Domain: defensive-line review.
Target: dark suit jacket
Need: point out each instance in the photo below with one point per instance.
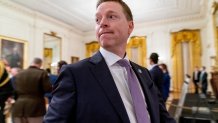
(198, 77)
(158, 77)
(30, 85)
(204, 79)
(87, 94)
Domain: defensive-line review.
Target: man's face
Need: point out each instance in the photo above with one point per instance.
(112, 27)
(14, 71)
(150, 61)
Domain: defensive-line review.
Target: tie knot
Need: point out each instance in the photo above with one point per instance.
(123, 63)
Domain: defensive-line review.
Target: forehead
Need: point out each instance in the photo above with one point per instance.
(110, 7)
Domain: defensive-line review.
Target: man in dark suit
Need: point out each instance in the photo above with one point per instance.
(196, 78)
(31, 85)
(203, 80)
(156, 73)
(96, 89)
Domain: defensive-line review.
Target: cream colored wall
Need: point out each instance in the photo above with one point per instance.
(22, 23)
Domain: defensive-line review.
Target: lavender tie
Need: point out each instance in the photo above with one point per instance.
(139, 104)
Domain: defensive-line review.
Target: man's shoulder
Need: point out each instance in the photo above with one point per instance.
(78, 65)
(138, 66)
(155, 68)
(33, 70)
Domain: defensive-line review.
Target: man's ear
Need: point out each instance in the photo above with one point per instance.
(131, 27)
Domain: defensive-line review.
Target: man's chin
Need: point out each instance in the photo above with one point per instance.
(105, 41)
(106, 45)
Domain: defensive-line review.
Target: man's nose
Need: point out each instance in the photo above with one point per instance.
(104, 22)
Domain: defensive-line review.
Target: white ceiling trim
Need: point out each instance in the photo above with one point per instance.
(77, 14)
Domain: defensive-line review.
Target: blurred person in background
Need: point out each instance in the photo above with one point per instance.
(6, 89)
(52, 79)
(156, 72)
(196, 78)
(203, 80)
(166, 82)
(14, 71)
(30, 85)
(60, 65)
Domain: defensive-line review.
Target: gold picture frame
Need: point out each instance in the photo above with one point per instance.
(14, 51)
(92, 48)
(48, 54)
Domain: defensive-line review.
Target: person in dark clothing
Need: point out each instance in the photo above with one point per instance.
(166, 82)
(196, 78)
(6, 90)
(30, 85)
(60, 64)
(203, 80)
(52, 79)
(156, 73)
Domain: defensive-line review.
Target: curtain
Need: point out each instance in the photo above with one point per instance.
(136, 50)
(192, 37)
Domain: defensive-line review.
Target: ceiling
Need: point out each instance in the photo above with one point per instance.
(80, 13)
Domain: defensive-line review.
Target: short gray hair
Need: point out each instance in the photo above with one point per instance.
(37, 61)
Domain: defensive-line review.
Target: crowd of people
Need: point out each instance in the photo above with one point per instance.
(29, 87)
(23, 91)
(199, 78)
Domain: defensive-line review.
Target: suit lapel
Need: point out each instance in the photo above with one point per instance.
(105, 80)
(146, 83)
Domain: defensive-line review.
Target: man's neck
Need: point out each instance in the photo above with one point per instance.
(120, 53)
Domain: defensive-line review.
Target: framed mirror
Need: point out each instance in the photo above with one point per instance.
(52, 51)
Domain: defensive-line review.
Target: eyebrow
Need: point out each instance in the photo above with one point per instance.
(111, 11)
(108, 12)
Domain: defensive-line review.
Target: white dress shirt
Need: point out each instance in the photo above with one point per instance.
(196, 75)
(119, 75)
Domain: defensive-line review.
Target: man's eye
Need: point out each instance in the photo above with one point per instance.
(112, 17)
(96, 20)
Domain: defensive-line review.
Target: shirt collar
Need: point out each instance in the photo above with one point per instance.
(110, 57)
